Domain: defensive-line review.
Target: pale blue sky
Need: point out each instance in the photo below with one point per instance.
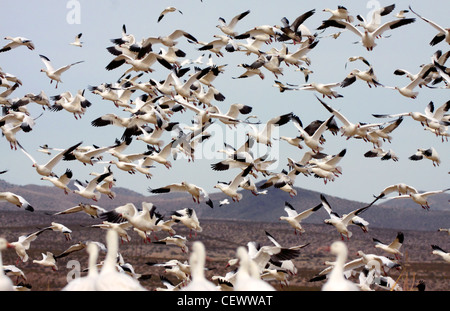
(46, 24)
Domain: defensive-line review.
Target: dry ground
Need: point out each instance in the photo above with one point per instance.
(221, 239)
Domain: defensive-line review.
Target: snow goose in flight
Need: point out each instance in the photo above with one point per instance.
(294, 218)
(197, 260)
(341, 13)
(324, 89)
(430, 154)
(336, 280)
(249, 72)
(176, 240)
(47, 169)
(40, 99)
(340, 223)
(188, 217)
(348, 128)
(367, 37)
(57, 227)
(248, 274)
(408, 90)
(109, 279)
(264, 136)
(312, 141)
(5, 283)
(60, 181)
(375, 21)
(283, 181)
(443, 33)
(421, 198)
(383, 154)
(364, 75)
(169, 40)
(167, 10)
(15, 199)
(296, 30)
(48, 260)
(10, 132)
(16, 42)
(77, 41)
(121, 229)
(296, 58)
(329, 163)
(92, 210)
(54, 74)
(89, 191)
(184, 186)
(392, 248)
(231, 189)
(23, 244)
(161, 156)
(228, 29)
(271, 62)
(86, 283)
(440, 252)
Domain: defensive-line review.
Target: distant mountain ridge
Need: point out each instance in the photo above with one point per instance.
(394, 214)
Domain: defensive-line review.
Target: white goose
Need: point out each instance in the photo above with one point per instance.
(109, 279)
(16, 199)
(340, 223)
(367, 37)
(312, 141)
(92, 210)
(188, 217)
(54, 74)
(326, 89)
(48, 260)
(197, 259)
(77, 41)
(421, 198)
(16, 42)
(429, 153)
(23, 244)
(167, 10)
(336, 280)
(443, 33)
(5, 283)
(144, 220)
(228, 29)
(89, 191)
(232, 188)
(47, 168)
(348, 128)
(57, 227)
(61, 181)
(184, 186)
(86, 283)
(248, 275)
(392, 248)
(440, 252)
(294, 218)
(264, 136)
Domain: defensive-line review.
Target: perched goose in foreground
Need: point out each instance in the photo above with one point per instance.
(336, 280)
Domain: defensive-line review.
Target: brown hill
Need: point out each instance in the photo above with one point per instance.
(394, 214)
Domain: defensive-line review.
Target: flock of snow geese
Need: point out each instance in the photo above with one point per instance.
(153, 113)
